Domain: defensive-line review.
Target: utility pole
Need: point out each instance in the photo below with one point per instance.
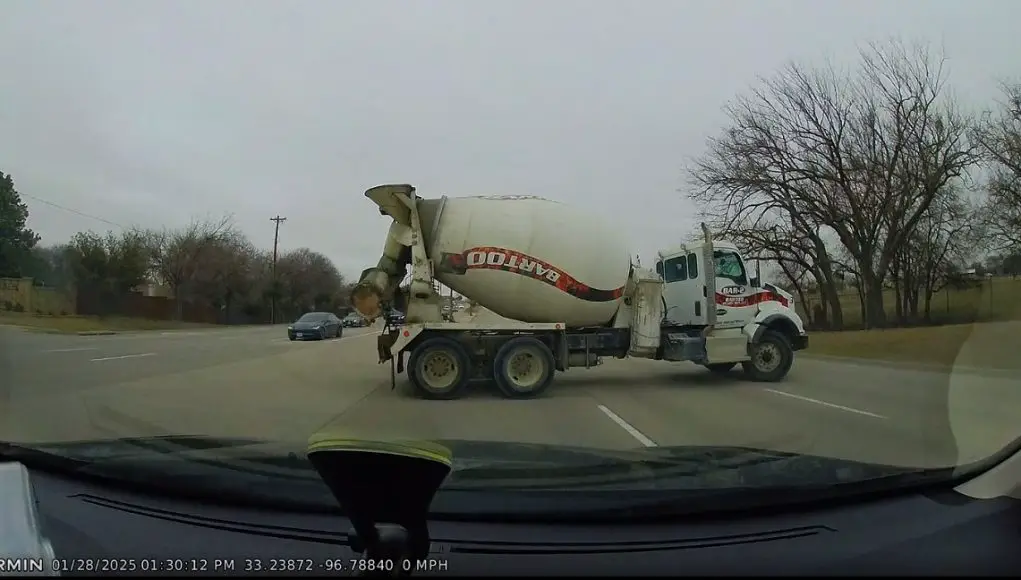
(276, 240)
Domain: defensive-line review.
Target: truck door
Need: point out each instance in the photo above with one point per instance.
(736, 302)
(683, 289)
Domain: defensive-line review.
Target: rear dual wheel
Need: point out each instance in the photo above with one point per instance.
(440, 368)
(523, 368)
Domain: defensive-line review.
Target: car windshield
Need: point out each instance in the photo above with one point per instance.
(650, 250)
(313, 317)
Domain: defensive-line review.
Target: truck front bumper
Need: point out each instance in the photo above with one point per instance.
(800, 342)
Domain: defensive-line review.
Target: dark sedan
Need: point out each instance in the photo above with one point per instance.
(315, 326)
(395, 318)
(354, 321)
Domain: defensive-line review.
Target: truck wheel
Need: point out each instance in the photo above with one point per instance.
(439, 368)
(523, 368)
(721, 368)
(771, 358)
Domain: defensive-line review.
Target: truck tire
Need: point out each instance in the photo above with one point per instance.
(771, 358)
(523, 368)
(439, 368)
(721, 368)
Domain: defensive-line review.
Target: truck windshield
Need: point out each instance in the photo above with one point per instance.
(730, 266)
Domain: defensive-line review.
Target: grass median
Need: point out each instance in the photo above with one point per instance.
(76, 324)
(986, 345)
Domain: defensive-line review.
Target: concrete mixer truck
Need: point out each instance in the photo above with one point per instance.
(569, 294)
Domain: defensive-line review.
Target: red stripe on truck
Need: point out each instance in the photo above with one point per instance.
(493, 258)
(739, 301)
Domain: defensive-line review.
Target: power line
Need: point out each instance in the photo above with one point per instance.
(71, 210)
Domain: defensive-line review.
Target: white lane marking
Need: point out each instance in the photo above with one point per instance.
(826, 404)
(627, 427)
(123, 356)
(71, 349)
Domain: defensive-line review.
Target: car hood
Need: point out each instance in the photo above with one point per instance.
(500, 480)
(492, 464)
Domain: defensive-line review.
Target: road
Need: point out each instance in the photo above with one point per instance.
(254, 382)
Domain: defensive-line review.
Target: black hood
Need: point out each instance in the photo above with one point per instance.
(489, 479)
(507, 465)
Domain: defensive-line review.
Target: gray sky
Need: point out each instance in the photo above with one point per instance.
(152, 112)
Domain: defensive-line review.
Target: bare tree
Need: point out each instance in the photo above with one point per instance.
(227, 272)
(180, 256)
(308, 281)
(861, 155)
(940, 242)
(109, 263)
(999, 135)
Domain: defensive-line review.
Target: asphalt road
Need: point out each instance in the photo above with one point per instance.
(254, 382)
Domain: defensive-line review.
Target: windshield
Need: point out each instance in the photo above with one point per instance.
(313, 317)
(728, 265)
(204, 236)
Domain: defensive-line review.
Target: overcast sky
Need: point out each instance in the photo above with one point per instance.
(153, 112)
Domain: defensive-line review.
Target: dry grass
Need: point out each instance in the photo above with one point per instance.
(996, 299)
(990, 345)
(73, 324)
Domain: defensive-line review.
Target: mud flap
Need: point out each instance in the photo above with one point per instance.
(384, 344)
(393, 375)
(384, 341)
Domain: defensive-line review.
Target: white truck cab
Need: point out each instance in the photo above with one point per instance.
(728, 301)
(739, 294)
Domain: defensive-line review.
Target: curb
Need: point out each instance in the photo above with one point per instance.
(902, 365)
(95, 332)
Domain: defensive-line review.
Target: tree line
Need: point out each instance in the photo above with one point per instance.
(871, 178)
(208, 262)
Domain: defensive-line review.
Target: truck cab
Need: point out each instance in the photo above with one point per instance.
(722, 294)
(739, 294)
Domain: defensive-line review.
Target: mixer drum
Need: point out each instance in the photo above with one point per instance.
(527, 258)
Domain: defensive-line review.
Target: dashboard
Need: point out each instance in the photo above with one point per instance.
(92, 530)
